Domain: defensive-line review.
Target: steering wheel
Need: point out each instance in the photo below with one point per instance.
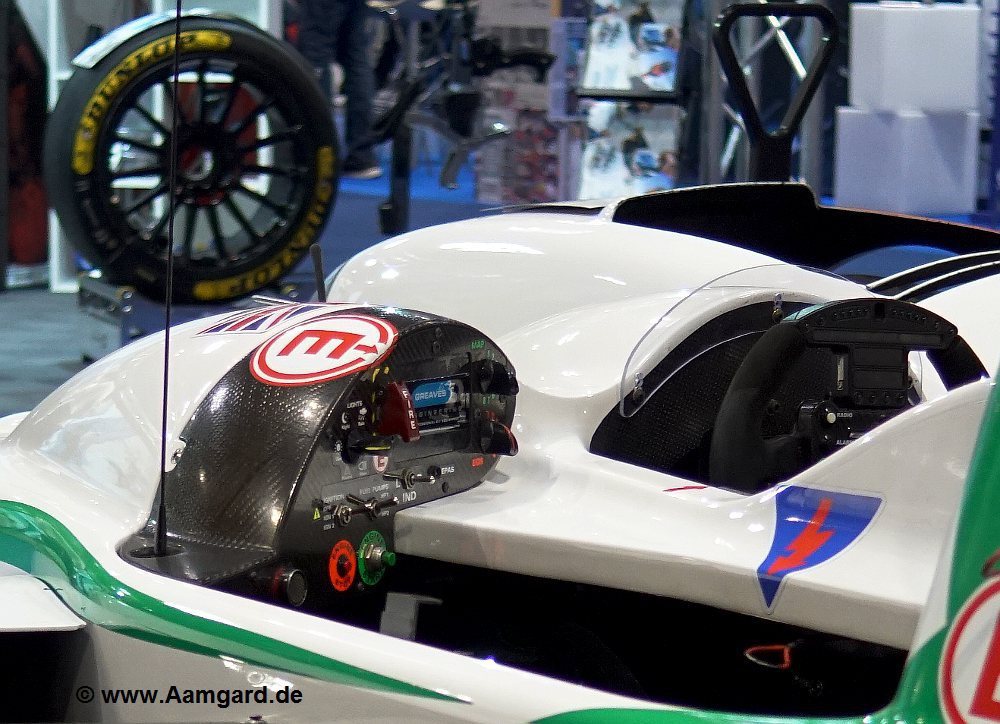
(869, 339)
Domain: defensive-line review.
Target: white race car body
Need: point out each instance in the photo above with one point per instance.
(569, 296)
(587, 310)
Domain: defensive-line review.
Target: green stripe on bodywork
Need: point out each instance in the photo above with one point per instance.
(39, 544)
(978, 536)
(684, 716)
(917, 697)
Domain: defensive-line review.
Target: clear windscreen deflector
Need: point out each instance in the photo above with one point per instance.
(670, 343)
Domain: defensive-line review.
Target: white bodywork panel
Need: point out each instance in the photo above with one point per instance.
(7, 424)
(480, 689)
(27, 604)
(560, 512)
(973, 307)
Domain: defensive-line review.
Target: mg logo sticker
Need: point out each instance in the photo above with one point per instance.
(970, 664)
(322, 350)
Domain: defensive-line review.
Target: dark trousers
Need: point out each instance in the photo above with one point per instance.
(336, 30)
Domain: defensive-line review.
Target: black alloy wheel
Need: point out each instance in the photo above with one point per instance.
(255, 170)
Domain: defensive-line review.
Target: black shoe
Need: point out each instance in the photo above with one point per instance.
(360, 169)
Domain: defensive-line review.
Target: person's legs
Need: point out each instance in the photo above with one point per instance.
(318, 31)
(353, 53)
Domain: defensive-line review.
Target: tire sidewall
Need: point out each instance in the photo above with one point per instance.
(91, 97)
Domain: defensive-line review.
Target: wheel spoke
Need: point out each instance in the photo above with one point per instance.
(146, 198)
(213, 222)
(271, 171)
(280, 210)
(271, 140)
(155, 232)
(174, 102)
(151, 119)
(135, 172)
(139, 144)
(189, 222)
(257, 110)
(235, 212)
(202, 70)
(231, 93)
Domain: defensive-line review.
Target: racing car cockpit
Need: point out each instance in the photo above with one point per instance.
(759, 392)
(866, 344)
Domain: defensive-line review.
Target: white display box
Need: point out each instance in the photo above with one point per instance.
(911, 56)
(910, 162)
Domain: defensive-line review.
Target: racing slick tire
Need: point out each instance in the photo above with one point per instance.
(256, 166)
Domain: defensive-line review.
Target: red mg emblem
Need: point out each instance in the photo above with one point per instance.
(322, 350)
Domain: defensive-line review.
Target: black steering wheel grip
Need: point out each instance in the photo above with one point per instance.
(740, 458)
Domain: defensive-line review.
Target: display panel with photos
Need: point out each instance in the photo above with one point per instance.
(633, 47)
(630, 149)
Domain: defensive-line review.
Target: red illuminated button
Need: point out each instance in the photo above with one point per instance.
(343, 565)
(398, 415)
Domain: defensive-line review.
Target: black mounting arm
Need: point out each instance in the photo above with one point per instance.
(771, 151)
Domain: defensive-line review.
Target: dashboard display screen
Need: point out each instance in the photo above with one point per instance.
(441, 404)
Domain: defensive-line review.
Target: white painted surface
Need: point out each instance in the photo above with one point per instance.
(973, 307)
(27, 604)
(567, 313)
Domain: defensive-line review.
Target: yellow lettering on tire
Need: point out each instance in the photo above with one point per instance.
(85, 140)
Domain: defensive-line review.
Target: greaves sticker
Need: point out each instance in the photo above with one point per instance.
(322, 350)
(970, 665)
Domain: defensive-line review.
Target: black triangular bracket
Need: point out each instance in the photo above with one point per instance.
(771, 151)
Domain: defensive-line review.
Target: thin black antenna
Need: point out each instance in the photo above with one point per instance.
(160, 545)
(317, 259)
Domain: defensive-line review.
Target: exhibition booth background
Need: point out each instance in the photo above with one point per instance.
(548, 150)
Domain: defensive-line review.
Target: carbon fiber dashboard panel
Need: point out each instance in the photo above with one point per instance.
(281, 467)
